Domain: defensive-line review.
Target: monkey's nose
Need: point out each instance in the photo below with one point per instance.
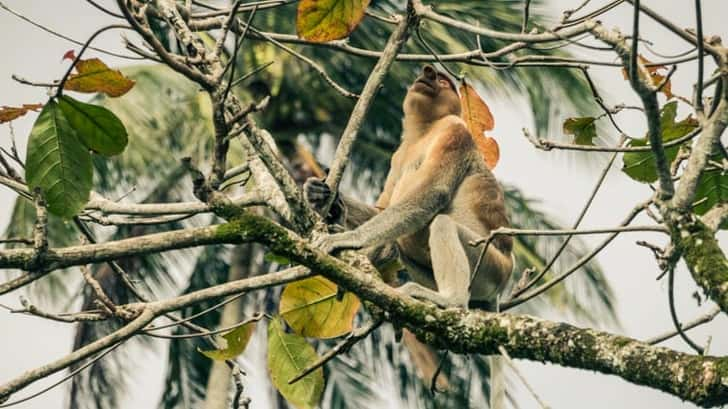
(429, 72)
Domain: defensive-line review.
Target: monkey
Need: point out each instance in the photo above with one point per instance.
(439, 196)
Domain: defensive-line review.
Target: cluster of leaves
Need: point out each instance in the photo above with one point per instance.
(311, 308)
(58, 159)
(641, 166)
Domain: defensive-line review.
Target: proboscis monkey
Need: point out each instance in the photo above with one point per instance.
(438, 197)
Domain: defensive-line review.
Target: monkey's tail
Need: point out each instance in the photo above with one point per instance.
(425, 360)
(497, 383)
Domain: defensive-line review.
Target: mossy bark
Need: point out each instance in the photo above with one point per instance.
(705, 259)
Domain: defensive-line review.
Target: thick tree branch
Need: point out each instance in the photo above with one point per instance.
(41, 263)
(702, 380)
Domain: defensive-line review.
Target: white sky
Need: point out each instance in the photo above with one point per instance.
(560, 180)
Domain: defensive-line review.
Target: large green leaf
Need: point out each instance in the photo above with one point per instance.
(288, 355)
(641, 166)
(58, 163)
(97, 127)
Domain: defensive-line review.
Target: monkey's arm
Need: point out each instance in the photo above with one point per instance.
(345, 211)
(426, 193)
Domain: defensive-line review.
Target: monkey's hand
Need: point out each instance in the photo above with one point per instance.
(317, 194)
(347, 240)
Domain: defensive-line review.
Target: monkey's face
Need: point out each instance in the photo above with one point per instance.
(432, 96)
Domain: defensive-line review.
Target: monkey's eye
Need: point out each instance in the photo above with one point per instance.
(444, 83)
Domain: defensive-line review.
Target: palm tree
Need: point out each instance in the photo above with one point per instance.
(167, 118)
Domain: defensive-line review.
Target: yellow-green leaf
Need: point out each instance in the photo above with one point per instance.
(584, 130)
(310, 307)
(237, 340)
(477, 117)
(327, 20)
(93, 75)
(288, 355)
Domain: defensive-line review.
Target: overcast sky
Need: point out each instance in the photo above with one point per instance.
(560, 180)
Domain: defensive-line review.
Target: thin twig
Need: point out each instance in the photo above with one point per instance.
(548, 145)
(526, 11)
(65, 378)
(104, 9)
(518, 373)
(342, 347)
(581, 262)
(701, 44)
(565, 243)
(673, 312)
(59, 35)
(709, 316)
(83, 49)
(206, 333)
(348, 136)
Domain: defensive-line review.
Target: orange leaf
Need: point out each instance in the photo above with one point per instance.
(69, 55)
(93, 75)
(478, 118)
(656, 77)
(7, 113)
(488, 147)
(327, 20)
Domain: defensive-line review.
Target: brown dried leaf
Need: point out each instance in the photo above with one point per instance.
(478, 118)
(7, 113)
(656, 77)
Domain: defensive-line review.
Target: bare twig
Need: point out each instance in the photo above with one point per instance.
(521, 289)
(518, 373)
(348, 136)
(690, 325)
(59, 35)
(673, 312)
(342, 347)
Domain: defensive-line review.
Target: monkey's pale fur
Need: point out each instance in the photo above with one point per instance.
(438, 197)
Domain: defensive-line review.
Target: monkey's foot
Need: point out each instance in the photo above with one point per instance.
(422, 293)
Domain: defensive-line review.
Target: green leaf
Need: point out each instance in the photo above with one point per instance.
(641, 166)
(97, 127)
(237, 340)
(288, 355)
(58, 163)
(712, 189)
(584, 130)
(310, 307)
(327, 20)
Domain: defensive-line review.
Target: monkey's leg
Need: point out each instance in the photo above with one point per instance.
(450, 266)
(453, 261)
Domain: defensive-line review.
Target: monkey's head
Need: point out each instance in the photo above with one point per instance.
(432, 96)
